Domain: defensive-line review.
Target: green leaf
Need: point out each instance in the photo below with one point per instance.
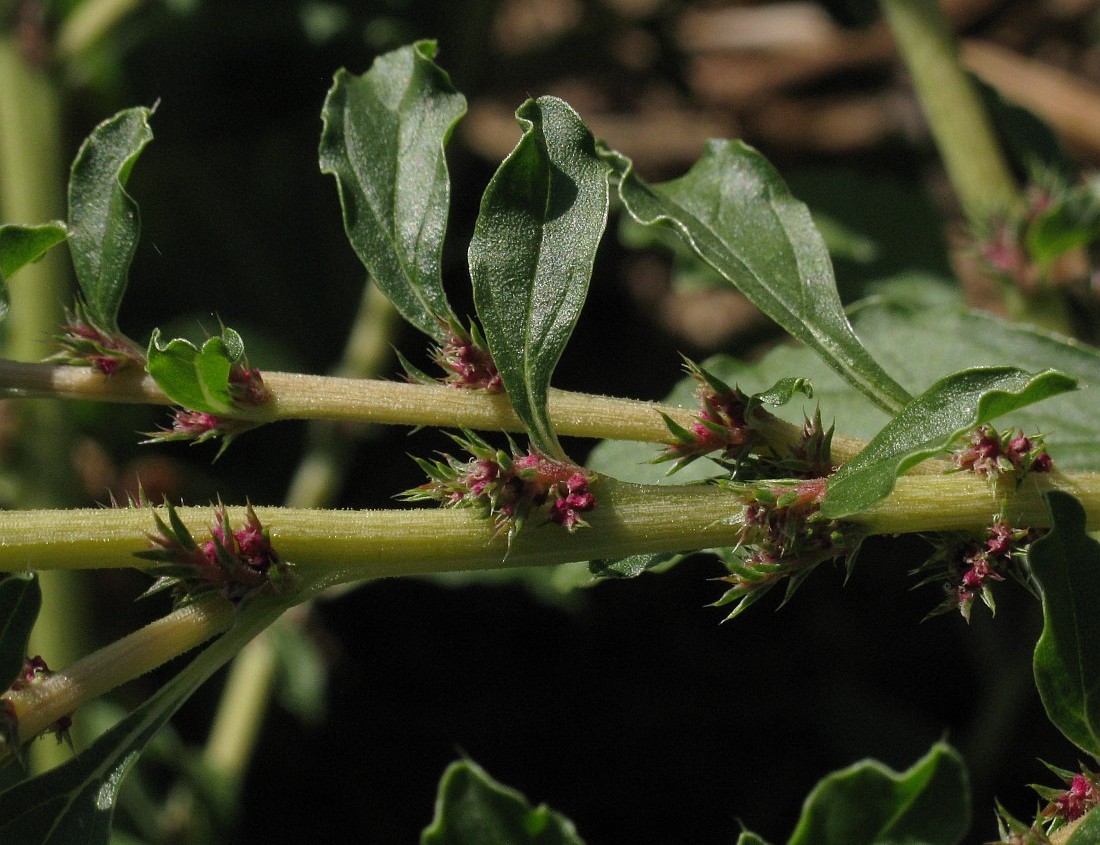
(383, 139)
(104, 223)
(928, 425)
(1087, 832)
(20, 601)
(473, 809)
(748, 838)
(734, 210)
(22, 245)
(1066, 564)
(532, 252)
(868, 804)
(196, 378)
(75, 802)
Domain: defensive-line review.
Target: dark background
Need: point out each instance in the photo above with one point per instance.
(631, 709)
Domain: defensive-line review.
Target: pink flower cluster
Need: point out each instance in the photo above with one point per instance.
(508, 487)
(990, 453)
(1075, 801)
(83, 343)
(465, 357)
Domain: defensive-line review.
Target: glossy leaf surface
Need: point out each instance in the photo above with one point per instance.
(929, 424)
(22, 245)
(20, 601)
(735, 211)
(868, 804)
(1066, 563)
(194, 377)
(473, 809)
(383, 139)
(541, 219)
(104, 223)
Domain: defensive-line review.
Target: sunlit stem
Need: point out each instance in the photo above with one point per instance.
(299, 396)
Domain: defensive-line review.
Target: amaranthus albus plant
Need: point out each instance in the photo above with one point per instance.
(777, 489)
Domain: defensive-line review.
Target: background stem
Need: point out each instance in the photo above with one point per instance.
(971, 153)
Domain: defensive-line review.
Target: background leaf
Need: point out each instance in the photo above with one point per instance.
(383, 139)
(926, 426)
(541, 219)
(22, 245)
(75, 802)
(1066, 563)
(734, 210)
(20, 601)
(196, 378)
(914, 312)
(473, 809)
(868, 804)
(104, 223)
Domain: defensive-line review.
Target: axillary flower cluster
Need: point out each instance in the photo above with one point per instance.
(508, 486)
(237, 563)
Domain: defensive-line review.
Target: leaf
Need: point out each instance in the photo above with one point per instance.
(749, 838)
(633, 565)
(734, 210)
(104, 223)
(383, 139)
(473, 809)
(927, 425)
(196, 378)
(1066, 564)
(22, 245)
(20, 601)
(541, 219)
(868, 804)
(1087, 832)
(74, 803)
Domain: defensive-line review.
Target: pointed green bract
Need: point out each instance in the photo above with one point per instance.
(20, 601)
(104, 223)
(196, 378)
(734, 210)
(748, 838)
(534, 244)
(868, 804)
(22, 245)
(383, 139)
(928, 425)
(473, 809)
(1066, 564)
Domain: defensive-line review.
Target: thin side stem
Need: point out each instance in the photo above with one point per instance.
(40, 705)
(974, 160)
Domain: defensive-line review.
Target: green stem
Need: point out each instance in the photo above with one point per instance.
(88, 24)
(38, 706)
(974, 160)
(300, 396)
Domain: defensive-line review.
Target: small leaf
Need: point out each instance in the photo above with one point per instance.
(196, 378)
(532, 252)
(75, 802)
(20, 601)
(1066, 563)
(22, 245)
(631, 566)
(927, 425)
(383, 139)
(734, 210)
(749, 838)
(104, 223)
(473, 809)
(868, 804)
